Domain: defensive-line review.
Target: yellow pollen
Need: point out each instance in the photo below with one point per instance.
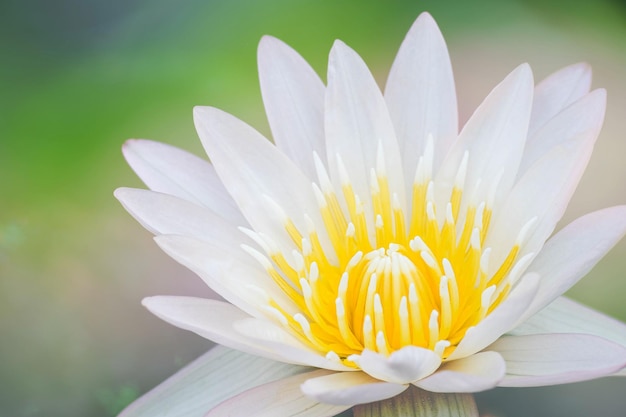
(419, 276)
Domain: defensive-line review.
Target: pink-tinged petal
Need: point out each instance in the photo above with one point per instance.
(281, 398)
(358, 125)
(217, 375)
(545, 188)
(401, 367)
(216, 321)
(167, 169)
(350, 388)
(573, 251)
(493, 139)
(420, 95)
(267, 186)
(475, 373)
(558, 91)
(501, 320)
(167, 214)
(293, 95)
(550, 359)
(417, 402)
(228, 271)
(567, 316)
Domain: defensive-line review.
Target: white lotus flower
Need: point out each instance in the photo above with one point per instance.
(377, 243)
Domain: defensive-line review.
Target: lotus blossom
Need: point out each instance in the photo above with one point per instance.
(374, 241)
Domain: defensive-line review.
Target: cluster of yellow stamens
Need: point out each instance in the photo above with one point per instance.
(412, 280)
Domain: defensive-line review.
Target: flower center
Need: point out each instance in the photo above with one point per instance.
(384, 280)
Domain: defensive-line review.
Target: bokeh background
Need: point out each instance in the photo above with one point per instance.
(78, 77)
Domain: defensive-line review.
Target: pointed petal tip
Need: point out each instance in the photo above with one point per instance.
(133, 145)
(601, 93)
(578, 70)
(268, 41)
(583, 67)
(205, 116)
(151, 302)
(268, 47)
(338, 44)
(425, 19)
(524, 70)
(131, 142)
(120, 193)
(425, 16)
(199, 111)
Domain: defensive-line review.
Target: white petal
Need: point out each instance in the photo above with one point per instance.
(567, 316)
(226, 270)
(475, 373)
(494, 139)
(253, 170)
(573, 251)
(420, 94)
(417, 402)
(558, 91)
(501, 320)
(583, 117)
(272, 336)
(401, 367)
(293, 95)
(350, 388)
(281, 398)
(550, 359)
(217, 375)
(167, 214)
(545, 188)
(216, 321)
(211, 319)
(357, 122)
(170, 170)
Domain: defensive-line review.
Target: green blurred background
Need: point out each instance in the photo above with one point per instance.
(78, 77)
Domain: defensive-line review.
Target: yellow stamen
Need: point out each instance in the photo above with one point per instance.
(396, 279)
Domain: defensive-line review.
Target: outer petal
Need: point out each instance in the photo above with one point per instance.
(294, 102)
(167, 214)
(573, 251)
(350, 388)
(417, 402)
(281, 398)
(501, 320)
(401, 367)
(226, 270)
(494, 139)
(550, 359)
(567, 316)
(545, 188)
(558, 91)
(268, 188)
(475, 373)
(170, 170)
(583, 117)
(217, 321)
(420, 94)
(358, 125)
(215, 376)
